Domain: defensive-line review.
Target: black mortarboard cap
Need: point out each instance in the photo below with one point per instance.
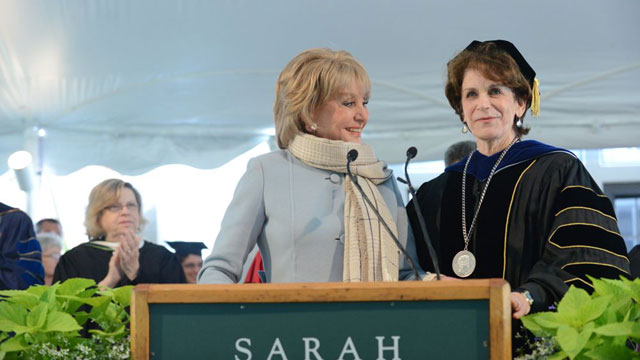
(185, 248)
(526, 69)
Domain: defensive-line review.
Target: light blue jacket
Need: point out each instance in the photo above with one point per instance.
(295, 214)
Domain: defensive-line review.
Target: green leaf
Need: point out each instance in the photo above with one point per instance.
(49, 297)
(16, 343)
(37, 290)
(90, 292)
(71, 306)
(13, 313)
(122, 295)
(13, 327)
(634, 288)
(572, 301)
(550, 321)
(60, 321)
(609, 316)
(625, 329)
(11, 293)
(568, 340)
(75, 286)
(37, 316)
(635, 331)
(621, 299)
(571, 341)
(118, 331)
(608, 352)
(81, 317)
(13, 317)
(21, 297)
(593, 309)
(530, 322)
(560, 355)
(616, 329)
(106, 292)
(634, 313)
(98, 311)
(93, 301)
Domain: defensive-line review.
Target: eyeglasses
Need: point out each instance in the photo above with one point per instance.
(116, 208)
(55, 256)
(192, 266)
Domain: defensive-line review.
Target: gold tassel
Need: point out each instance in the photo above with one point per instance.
(535, 98)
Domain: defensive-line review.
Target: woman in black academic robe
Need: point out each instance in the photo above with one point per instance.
(520, 210)
(116, 255)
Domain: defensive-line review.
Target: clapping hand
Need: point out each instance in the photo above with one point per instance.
(129, 253)
(114, 274)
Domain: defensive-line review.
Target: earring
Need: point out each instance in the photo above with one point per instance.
(465, 128)
(314, 127)
(519, 123)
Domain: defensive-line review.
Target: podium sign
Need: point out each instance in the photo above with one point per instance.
(405, 320)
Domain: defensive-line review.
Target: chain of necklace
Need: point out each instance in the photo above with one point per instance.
(467, 236)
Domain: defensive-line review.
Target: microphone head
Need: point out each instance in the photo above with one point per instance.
(352, 155)
(412, 152)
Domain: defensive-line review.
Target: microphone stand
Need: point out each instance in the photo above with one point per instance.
(351, 156)
(411, 153)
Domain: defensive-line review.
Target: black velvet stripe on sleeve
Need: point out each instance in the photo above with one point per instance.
(597, 270)
(583, 197)
(589, 236)
(580, 283)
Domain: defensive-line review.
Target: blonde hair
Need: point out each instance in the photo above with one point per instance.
(103, 195)
(308, 81)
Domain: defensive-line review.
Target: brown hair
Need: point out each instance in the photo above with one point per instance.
(104, 194)
(494, 64)
(308, 81)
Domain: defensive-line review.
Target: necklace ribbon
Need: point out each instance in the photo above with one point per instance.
(464, 263)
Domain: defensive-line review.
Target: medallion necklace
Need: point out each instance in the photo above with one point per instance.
(464, 263)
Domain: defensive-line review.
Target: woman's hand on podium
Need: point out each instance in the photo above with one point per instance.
(433, 277)
(519, 305)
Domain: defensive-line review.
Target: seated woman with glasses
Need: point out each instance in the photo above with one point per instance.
(116, 255)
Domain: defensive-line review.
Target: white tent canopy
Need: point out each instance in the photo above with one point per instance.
(133, 85)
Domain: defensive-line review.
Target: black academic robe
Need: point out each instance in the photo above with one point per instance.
(543, 225)
(89, 260)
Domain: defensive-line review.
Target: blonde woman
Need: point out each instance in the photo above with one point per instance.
(305, 215)
(115, 254)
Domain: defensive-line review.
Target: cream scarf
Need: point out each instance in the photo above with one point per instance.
(370, 253)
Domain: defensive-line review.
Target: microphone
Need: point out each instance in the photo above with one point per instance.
(352, 155)
(411, 153)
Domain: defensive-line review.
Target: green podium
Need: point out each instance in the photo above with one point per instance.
(467, 319)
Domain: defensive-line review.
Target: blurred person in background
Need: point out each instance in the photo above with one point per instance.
(458, 151)
(115, 254)
(51, 244)
(49, 225)
(189, 255)
(20, 253)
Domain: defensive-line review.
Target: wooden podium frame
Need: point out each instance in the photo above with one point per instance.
(496, 291)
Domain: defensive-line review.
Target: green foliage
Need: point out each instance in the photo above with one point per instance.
(44, 322)
(596, 326)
